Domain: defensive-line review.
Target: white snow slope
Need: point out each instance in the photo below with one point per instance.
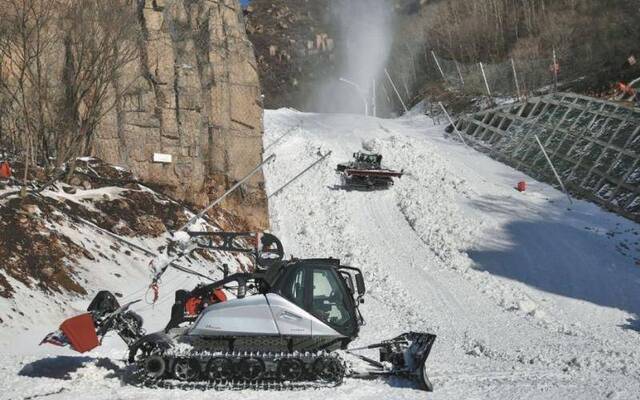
(530, 299)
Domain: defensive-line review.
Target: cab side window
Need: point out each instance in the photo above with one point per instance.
(328, 299)
(293, 290)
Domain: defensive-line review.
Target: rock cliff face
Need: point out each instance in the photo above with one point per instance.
(194, 94)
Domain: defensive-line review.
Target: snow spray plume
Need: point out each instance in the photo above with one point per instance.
(366, 36)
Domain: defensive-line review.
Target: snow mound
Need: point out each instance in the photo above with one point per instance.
(427, 196)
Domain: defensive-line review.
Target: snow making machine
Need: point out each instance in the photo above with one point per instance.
(365, 172)
(287, 324)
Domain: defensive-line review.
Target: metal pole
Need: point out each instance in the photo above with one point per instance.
(282, 137)
(555, 70)
(361, 93)
(459, 73)
(140, 248)
(396, 90)
(451, 122)
(374, 100)
(299, 175)
(555, 172)
(486, 83)
(227, 193)
(515, 77)
(433, 53)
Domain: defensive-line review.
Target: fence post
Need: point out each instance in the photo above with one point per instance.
(555, 70)
(515, 77)
(433, 53)
(459, 72)
(396, 90)
(375, 99)
(452, 123)
(553, 168)
(486, 83)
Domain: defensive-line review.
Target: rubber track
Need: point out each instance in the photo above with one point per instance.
(269, 382)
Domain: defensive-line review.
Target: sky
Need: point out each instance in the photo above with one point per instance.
(244, 2)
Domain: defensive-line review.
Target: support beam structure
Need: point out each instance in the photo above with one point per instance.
(593, 144)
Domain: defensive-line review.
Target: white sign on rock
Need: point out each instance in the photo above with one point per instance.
(162, 158)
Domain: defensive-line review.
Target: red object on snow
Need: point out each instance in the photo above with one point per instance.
(5, 170)
(81, 333)
(522, 186)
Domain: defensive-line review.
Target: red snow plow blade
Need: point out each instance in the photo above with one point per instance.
(104, 314)
(374, 172)
(78, 332)
(81, 333)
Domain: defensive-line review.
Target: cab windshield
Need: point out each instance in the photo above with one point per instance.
(322, 292)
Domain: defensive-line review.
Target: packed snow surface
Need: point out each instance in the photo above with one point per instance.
(531, 298)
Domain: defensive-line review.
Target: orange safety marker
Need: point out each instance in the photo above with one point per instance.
(5, 170)
(522, 186)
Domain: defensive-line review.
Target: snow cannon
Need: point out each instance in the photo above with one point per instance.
(287, 324)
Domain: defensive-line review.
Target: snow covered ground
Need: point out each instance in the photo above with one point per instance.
(530, 298)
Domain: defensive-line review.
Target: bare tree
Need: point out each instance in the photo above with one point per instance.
(62, 67)
(100, 39)
(26, 92)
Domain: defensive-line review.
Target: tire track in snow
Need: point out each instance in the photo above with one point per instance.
(411, 282)
(307, 219)
(409, 255)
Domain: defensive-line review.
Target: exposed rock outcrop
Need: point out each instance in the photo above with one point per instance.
(194, 94)
(295, 43)
(75, 241)
(301, 49)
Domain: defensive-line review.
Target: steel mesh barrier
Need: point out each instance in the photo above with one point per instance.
(594, 145)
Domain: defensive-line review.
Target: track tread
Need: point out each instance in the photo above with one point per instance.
(270, 381)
